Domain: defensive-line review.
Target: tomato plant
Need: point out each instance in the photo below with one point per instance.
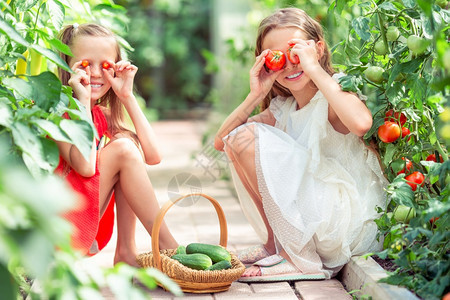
(293, 59)
(389, 132)
(275, 60)
(408, 86)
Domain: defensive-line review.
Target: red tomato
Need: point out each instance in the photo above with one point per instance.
(275, 60)
(434, 219)
(389, 132)
(432, 157)
(293, 59)
(415, 179)
(405, 132)
(408, 166)
(106, 65)
(394, 117)
(85, 63)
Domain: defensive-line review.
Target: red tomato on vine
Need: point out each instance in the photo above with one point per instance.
(415, 179)
(432, 157)
(275, 60)
(395, 117)
(408, 166)
(389, 132)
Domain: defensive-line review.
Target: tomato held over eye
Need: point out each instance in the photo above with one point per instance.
(106, 65)
(395, 117)
(408, 166)
(389, 132)
(85, 63)
(275, 60)
(415, 179)
(292, 58)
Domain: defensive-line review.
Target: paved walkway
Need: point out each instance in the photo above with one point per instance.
(188, 167)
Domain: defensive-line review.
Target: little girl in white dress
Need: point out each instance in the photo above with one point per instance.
(305, 179)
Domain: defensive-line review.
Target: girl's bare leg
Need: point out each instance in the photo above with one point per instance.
(126, 229)
(121, 164)
(240, 148)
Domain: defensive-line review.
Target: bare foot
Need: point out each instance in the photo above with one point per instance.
(252, 271)
(128, 257)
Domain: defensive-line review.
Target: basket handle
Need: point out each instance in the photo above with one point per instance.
(163, 211)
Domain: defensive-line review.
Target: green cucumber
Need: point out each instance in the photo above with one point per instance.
(221, 265)
(197, 261)
(181, 249)
(215, 252)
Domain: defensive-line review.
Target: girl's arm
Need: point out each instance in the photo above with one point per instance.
(260, 84)
(80, 84)
(122, 84)
(347, 112)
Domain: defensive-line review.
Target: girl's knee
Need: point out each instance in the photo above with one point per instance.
(242, 142)
(125, 150)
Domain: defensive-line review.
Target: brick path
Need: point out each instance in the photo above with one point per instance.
(182, 159)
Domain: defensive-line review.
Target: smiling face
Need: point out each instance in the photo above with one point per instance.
(292, 77)
(96, 50)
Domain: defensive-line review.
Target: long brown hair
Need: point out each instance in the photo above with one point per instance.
(116, 117)
(297, 18)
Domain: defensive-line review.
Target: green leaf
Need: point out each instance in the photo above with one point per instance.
(81, 133)
(20, 86)
(11, 32)
(6, 115)
(56, 12)
(46, 89)
(361, 26)
(8, 285)
(401, 193)
(42, 152)
(52, 130)
(60, 46)
(388, 6)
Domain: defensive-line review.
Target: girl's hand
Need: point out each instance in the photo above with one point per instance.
(122, 82)
(81, 83)
(309, 53)
(261, 81)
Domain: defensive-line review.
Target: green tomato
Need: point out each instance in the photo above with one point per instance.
(374, 74)
(404, 213)
(392, 33)
(380, 48)
(417, 44)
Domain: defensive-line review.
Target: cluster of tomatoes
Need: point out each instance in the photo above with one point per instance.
(105, 65)
(393, 127)
(391, 131)
(275, 59)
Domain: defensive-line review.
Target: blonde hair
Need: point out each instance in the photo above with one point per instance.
(68, 35)
(297, 18)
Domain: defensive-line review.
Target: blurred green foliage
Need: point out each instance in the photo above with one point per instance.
(172, 50)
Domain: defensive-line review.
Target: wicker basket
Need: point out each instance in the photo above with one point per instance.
(190, 280)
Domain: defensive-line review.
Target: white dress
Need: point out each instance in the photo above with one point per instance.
(320, 188)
